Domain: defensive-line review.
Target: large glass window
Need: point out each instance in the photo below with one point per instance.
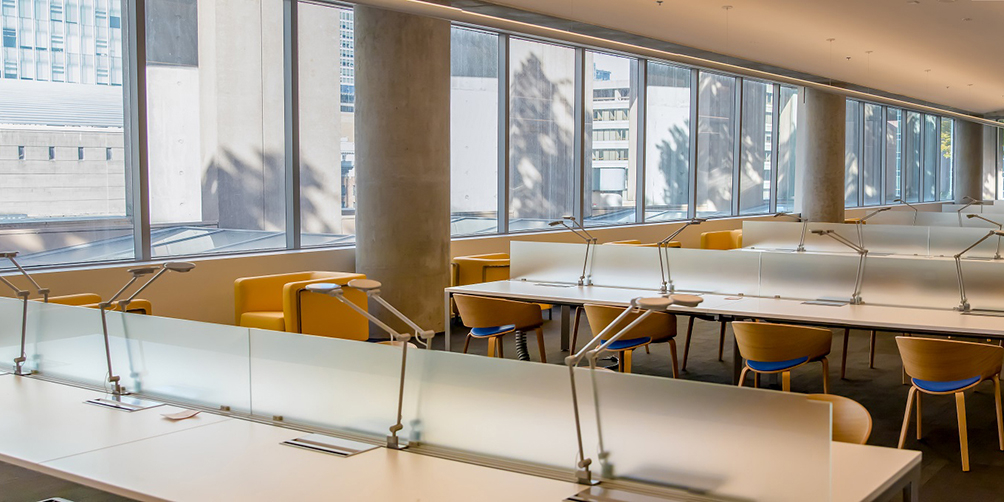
(611, 114)
(64, 195)
(667, 143)
(893, 155)
(852, 153)
(757, 133)
(216, 138)
(327, 139)
(474, 122)
(946, 183)
(541, 133)
(911, 157)
(931, 154)
(787, 126)
(871, 160)
(715, 144)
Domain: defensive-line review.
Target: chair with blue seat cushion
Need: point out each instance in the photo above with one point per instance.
(779, 348)
(656, 328)
(942, 367)
(493, 318)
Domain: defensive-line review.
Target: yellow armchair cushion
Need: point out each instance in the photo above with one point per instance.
(263, 320)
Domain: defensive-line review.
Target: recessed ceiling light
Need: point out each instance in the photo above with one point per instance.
(913, 2)
(967, 19)
(947, 1)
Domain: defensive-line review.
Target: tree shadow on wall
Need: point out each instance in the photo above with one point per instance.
(674, 164)
(541, 139)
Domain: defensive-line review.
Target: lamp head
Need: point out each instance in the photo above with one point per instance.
(970, 216)
(364, 284)
(324, 288)
(656, 303)
(698, 221)
(969, 199)
(8, 254)
(999, 233)
(569, 218)
(141, 271)
(821, 232)
(898, 200)
(556, 223)
(179, 266)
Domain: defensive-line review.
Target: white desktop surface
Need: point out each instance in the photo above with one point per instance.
(241, 460)
(41, 421)
(865, 472)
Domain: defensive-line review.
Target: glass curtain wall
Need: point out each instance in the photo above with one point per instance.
(852, 153)
(871, 160)
(757, 138)
(786, 143)
(65, 197)
(474, 126)
(715, 144)
(893, 155)
(667, 142)
(541, 133)
(609, 139)
(946, 182)
(911, 157)
(931, 157)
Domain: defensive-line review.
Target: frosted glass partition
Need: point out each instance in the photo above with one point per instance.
(714, 271)
(983, 283)
(10, 332)
(328, 382)
(974, 208)
(910, 282)
(715, 439)
(65, 342)
(499, 408)
(772, 234)
(889, 239)
(807, 276)
(904, 217)
(948, 241)
(546, 261)
(932, 219)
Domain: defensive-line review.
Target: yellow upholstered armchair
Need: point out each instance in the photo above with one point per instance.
(478, 268)
(725, 239)
(279, 302)
(92, 300)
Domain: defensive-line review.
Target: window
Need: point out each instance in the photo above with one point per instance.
(20, 153)
(893, 155)
(541, 133)
(9, 38)
(931, 157)
(80, 153)
(852, 153)
(219, 168)
(108, 154)
(715, 144)
(871, 159)
(911, 157)
(667, 143)
(755, 159)
(611, 182)
(52, 153)
(474, 132)
(787, 125)
(946, 187)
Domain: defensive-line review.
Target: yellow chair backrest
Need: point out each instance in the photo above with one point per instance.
(766, 342)
(480, 268)
(659, 326)
(851, 422)
(320, 315)
(723, 239)
(948, 360)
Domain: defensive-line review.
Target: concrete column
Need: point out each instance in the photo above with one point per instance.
(402, 124)
(968, 160)
(820, 155)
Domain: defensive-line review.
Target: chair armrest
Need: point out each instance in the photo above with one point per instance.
(78, 300)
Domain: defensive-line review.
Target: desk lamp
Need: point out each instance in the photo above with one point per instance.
(997, 255)
(585, 236)
(805, 225)
(23, 295)
(662, 249)
(915, 210)
(592, 351)
(964, 303)
(862, 254)
(12, 256)
(860, 222)
(118, 391)
(970, 202)
(372, 290)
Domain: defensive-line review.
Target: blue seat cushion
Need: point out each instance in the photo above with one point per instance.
(629, 344)
(493, 331)
(776, 366)
(931, 386)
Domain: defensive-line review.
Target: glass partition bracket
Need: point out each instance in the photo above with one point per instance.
(963, 302)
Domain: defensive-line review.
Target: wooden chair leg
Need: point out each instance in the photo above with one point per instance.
(826, 375)
(919, 434)
(492, 351)
(1000, 417)
(672, 353)
(647, 351)
(906, 417)
(756, 380)
(467, 342)
(626, 361)
(686, 343)
(960, 407)
(498, 345)
(721, 341)
(540, 345)
(843, 359)
(742, 375)
(786, 381)
(871, 351)
(575, 330)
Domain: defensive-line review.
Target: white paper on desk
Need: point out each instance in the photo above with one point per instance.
(181, 415)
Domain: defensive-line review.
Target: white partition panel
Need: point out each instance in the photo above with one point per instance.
(984, 280)
(887, 239)
(10, 332)
(327, 382)
(546, 261)
(66, 342)
(807, 276)
(948, 241)
(932, 219)
(893, 218)
(627, 267)
(715, 439)
(910, 282)
(772, 234)
(713, 271)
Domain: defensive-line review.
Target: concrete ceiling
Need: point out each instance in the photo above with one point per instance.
(959, 41)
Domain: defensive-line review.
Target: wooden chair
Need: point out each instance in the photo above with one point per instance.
(851, 422)
(780, 348)
(656, 328)
(942, 367)
(493, 318)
